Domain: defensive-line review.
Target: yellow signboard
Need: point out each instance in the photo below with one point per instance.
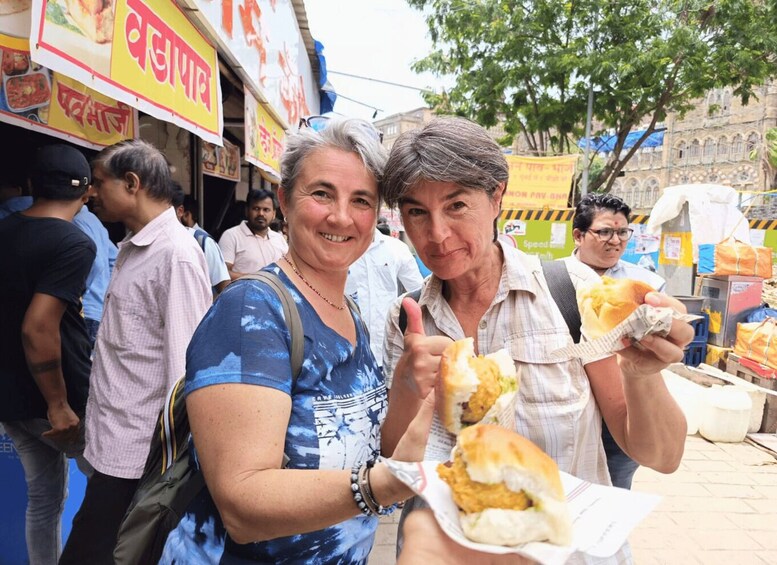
(537, 182)
(147, 54)
(264, 137)
(36, 98)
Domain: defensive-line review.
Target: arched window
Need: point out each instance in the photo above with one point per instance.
(681, 151)
(694, 151)
(737, 147)
(709, 150)
(726, 100)
(723, 148)
(651, 192)
(753, 141)
(632, 192)
(617, 188)
(657, 159)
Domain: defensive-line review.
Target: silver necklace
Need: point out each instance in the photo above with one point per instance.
(311, 287)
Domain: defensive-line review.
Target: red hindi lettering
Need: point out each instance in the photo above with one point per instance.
(72, 102)
(136, 31)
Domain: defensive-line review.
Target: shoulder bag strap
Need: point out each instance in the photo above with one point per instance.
(291, 314)
(563, 292)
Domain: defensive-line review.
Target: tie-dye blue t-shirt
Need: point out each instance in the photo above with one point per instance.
(338, 404)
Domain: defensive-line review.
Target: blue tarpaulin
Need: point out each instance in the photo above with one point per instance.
(326, 91)
(606, 143)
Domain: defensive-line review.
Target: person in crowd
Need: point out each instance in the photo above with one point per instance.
(252, 245)
(100, 273)
(383, 226)
(14, 199)
(157, 295)
(13, 189)
(185, 207)
(601, 231)
(448, 179)
(374, 283)
(289, 464)
(44, 376)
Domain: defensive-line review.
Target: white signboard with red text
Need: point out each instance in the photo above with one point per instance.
(264, 41)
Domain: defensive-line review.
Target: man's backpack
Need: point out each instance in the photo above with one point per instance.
(171, 478)
(561, 289)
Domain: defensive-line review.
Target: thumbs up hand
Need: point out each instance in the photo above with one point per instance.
(419, 365)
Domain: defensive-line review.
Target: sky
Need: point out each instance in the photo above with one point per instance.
(378, 39)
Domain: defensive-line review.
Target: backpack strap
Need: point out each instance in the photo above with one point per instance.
(290, 312)
(563, 292)
(201, 236)
(415, 295)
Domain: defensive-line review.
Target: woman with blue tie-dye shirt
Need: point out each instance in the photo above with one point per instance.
(292, 467)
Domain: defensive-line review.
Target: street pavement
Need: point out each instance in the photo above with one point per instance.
(718, 508)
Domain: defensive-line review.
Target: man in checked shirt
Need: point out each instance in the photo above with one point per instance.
(157, 295)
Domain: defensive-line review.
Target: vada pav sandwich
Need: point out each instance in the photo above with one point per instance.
(508, 490)
(471, 385)
(606, 303)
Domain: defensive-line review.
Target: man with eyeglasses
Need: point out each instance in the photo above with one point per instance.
(601, 231)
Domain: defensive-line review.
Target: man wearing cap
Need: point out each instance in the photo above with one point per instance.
(157, 295)
(44, 347)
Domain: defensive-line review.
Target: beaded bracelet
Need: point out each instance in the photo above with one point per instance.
(379, 509)
(358, 497)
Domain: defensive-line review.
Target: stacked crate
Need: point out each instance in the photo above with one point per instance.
(696, 351)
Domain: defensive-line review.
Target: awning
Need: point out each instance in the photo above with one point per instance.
(326, 90)
(606, 143)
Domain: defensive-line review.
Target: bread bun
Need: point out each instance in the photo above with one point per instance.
(606, 303)
(508, 490)
(470, 384)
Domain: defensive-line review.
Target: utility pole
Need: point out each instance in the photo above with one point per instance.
(587, 151)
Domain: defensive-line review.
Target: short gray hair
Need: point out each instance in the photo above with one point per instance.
(452, 150)
(143, 159)
(352, 135)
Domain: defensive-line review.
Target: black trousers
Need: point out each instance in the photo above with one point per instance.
(96, 525)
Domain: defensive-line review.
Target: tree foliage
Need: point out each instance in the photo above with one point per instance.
(530, 63)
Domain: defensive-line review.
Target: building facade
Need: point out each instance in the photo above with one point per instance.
(719, 142)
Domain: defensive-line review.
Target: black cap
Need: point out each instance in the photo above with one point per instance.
(61, 166)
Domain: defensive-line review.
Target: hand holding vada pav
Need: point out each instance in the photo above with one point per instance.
(508, 490)
(472, 385)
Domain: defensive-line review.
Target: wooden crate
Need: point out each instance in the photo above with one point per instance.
(734, 367)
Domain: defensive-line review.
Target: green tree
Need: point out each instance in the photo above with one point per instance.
(531, 63)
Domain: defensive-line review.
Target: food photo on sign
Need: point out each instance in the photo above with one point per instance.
(26, 86)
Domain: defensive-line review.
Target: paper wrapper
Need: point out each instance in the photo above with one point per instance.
(602, 517)
(645, 320)
(440, 443)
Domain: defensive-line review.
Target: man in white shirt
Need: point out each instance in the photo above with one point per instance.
(373, 282)
(186, 208)
(601, 230)
(252, 245)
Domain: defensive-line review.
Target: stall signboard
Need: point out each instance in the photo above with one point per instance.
(264, 137)
(546, 233)
(222, 162)
(263, 39)
(144, 53)
(538, 182)
(36, 98)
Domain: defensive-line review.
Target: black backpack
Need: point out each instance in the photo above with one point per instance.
(171, 478)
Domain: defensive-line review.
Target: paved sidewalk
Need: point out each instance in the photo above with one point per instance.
(718, 508)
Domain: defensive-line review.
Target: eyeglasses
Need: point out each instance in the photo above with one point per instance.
(319, 123)
(605, 234)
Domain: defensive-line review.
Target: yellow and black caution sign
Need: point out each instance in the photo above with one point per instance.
(551, 215)
(763, 224)
(639, 219)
